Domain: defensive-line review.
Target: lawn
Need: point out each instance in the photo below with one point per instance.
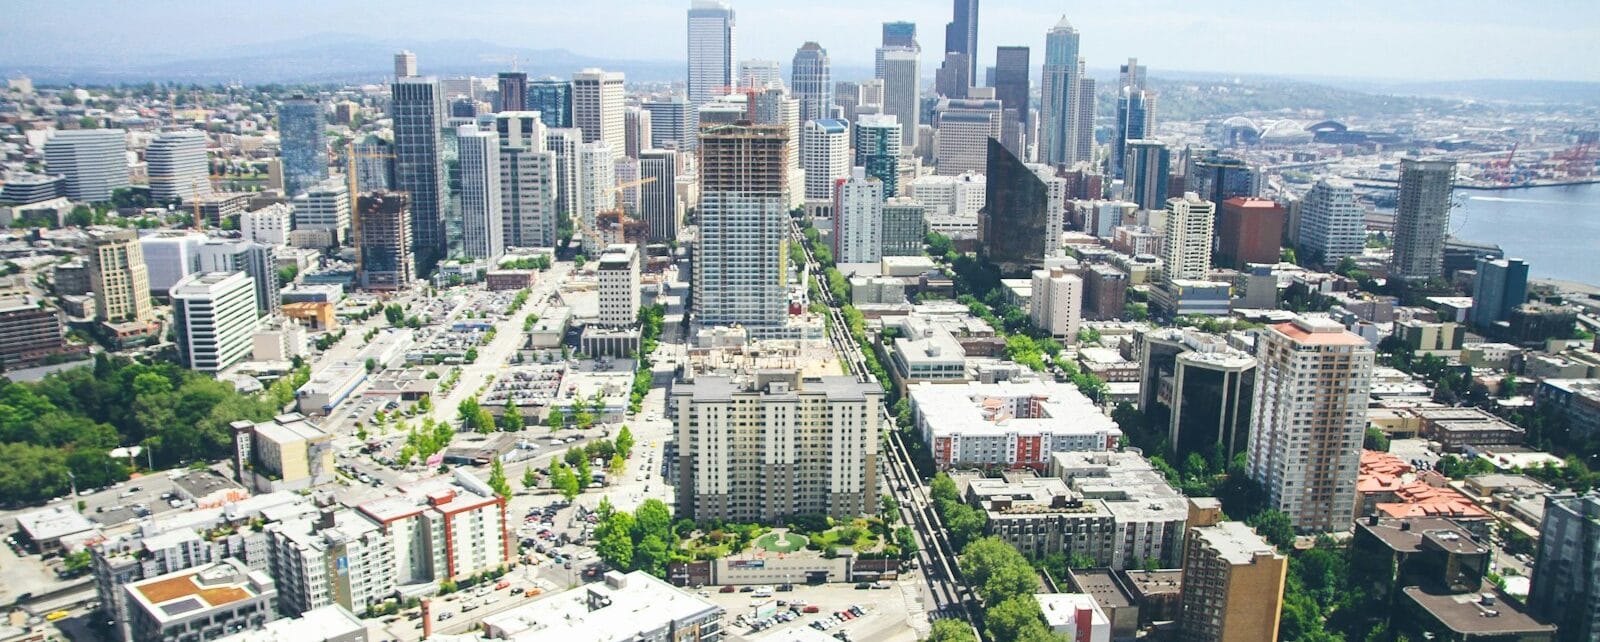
(779, 542)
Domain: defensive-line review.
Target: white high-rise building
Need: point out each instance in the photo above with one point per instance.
(618, 273)
(658, 199)
(958, 196)
(1186, 250)
(528, 200)
(739, 275)
(564, 143)
(858, 221)
(259, 261)
(962, 130)
(169, 256)
(1055, 213)
(324, 206)
(178, 168)
(482, 219)
(711, 52)
(405, 64)
(1332, 224)
(759, 74)
(627, 173)
(215, 317)
(597, 107)
(902, 91)
(1308, 419)
(336, 557)
(1057, 303)
(670, 125)
(94, 161)
(269, 225)
(597, 165)
(825, 157)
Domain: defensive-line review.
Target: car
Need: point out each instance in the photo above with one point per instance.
(446, 615)
(862, 586)
(747, 589)
(56, 615)
(727, 589)
(470, 605)
(882, 586)
(811, 608)
(858, 611)
(504, 584)
(516, 590)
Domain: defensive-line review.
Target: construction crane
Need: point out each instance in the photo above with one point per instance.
(194, 190)
(1500, 170)
(353, 177)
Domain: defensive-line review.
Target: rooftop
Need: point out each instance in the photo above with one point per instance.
(325, 623)
(1318, 331)
(175, 595)
(617, 610)
(1061, 610)
(53, 523)
(1407, 535)
(1475, 613)
(1235, 542)
(1009, 407)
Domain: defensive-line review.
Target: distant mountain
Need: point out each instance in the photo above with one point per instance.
(1507, 91)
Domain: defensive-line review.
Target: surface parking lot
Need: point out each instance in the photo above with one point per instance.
(884, 612)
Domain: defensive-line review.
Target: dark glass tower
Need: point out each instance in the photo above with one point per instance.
(1011, 87)
(1014, 218)
(552, 98)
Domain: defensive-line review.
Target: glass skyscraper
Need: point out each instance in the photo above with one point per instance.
(302, 143)
(552, 98)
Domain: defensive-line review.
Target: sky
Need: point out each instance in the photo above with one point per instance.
(1387, 39)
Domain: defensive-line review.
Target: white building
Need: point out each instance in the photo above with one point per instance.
(711, 50)
(564, 143)
(598, 168)
(951, 203)
(618, 272)
(215, 317)
(1076, 616)
(482, 220)
(1057, 303)
(178, 166)
(269, 225)
(443, 528)
(1012, 424)
(1186, 249)
(1332, 224)
(528, 202)
(825, 156)
(94, 161)
(635, 606)
(756, 73)
(962, 130)
(902, 91)
(597, 105)
(324, 206)
(858, 236)
(337, 557)
(169, 256)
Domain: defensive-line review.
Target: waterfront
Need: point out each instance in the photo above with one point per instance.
(1556, 229)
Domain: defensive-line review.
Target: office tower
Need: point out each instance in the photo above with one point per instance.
(1105, 292)
(1083, 140)
(304, 144)
(878, 150)
(1132, 74)
(1248, 231)
(846, 100)
(962, 129)
(1186, 247)
(385, 241)
(902, 35)
(1333, 225)
(26, 189)
(775, 107)
(119, 277)
(513, 91)
(419, 172)
(528, 200)
(952, 80)
(1501, 286)
(726, 110)
(958, 197)
(902, 92)
(552, 98)
(1422, 217)
(766, 445)
(738, 274)
(405, 65)
(374, 164)
(179, 170)
(811, 82)
(324, 206)
(597, 107)
(597, 192)
(482, 218)
(905, 227)
(759, 74)
(1135, 121)
(858, 219)
(625, 171)
(564, 143)
(258, 261)
(1218, 178)
(825, 156)
(1011, 88)
(872, 94)
(636, 128)
(269, 225)
(1149, 169)
(670, 123)
(1058, 112)
(658, 199)
(1200, 387)
(1566, 578)
(1057, 303)
(710, 50)
(94, 161)
(618, 273)
(961, 35)
(1232, 589)
(1014, 225)
(214, 314)
(1308, 419)
(169, 256)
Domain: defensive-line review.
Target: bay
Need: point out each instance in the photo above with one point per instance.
(1556, 229)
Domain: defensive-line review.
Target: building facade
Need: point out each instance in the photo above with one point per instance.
(858, 220)
(385, 242)
(618, 272)
(1333, 225)
(303, 142)
(119, 277)
(597, 106)
(738, 273)
(215, 317)
(879, 144)
(1422, 217)
(811, 82)
(178, 167)
(1186, 247)
(417, 111)
(527, 181)
(94, 162)
(482, 218)
(1232, 585)
(1057, 303)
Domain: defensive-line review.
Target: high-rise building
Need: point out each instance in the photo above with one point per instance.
(961, 36)
(385, 241)
(825, 157)
(258, 261)
(711, 49)
(303, 141)
(1014, 225)
(1248, 231)
(825, 461)
(1566, 577)
(598, 168)
(846, 99)
(1011, 87)
(1422, 217)
(905, 227)
(953, 79)
(179, 170)
(858, 219)
(1084, 120)
(1057, 303)
(94, 161)
(1132, 74)
(670, 123)
(597, 102)
(1136, 117)
(482, 218)
(419, 172)
(1058, 111)
(902, 91)
(30, 331)
(1149, 164)
(1501, 286)
(738, 273)
(618, 273)
(374, 164)
(513, 91)
(1308, 419)
(564, 143)
(169, 256)
(118, 277)
(1105, 292)
(636, 128)
(1333, 225)
(878, 148)
(324, 206)
(215, 316)
(1186, 246)
(900, 34)
(1200, 386)
(775, 107)
(269, 225)
(759, 74)
(528, 201)
(405, 64)
(962, 129)
(658, 199)
(811, 82)
(552, 98)
(1232, 585)
(1218, 178)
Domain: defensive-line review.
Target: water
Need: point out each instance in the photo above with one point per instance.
(1555, 229)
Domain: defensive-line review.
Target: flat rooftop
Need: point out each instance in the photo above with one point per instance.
(1099, 584)
(631, 604)
(1234, 542)
(53, 523)
(177, 595)
(1471, 614)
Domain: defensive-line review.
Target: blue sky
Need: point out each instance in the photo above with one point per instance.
(1408, 39)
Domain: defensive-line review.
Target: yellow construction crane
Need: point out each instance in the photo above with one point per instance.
(194, 188)
(355, 212)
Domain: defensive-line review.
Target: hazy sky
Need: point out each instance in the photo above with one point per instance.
(1415, 39)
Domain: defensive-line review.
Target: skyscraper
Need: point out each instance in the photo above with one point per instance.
(552, 98)
(759, 73)
(405, 64)
(859, 219)
(527, 180)
(1135, 121)
(1131, 75)
(1056, 305)
(1013, 226)
(1422, 217)
(385, 241)
(811, 82)
(564, 143)
(825, 156)
(670, 126)
(962, 129)
(1149, 165)
(658, 199)
(773, 106)
(900, 34)
(1332, 224)
(597, 103)
(1308, 419)
(598, 170)
(304, 144)
(902, 91)
(953, 79)
(1186, 247)
(1501, 286)
(637, 131)
(118, 277)
(738, 272)
(513, 91)
(416, 110)
(1084, 140)
(1249, 230)
(711, 49)
(1566, 579)
(324, 206)
(95, 162)
(905, 228)
(1218, 178)
(1058, 112)
(847, 99)
(258, 260)
(482, 219)
(178, 166)
(878, 150)
(961, 36)
(1011, 87)
(214, 314)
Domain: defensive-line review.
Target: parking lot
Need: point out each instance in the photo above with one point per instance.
(883, 614)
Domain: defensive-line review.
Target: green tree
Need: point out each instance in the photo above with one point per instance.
(563, 480)
(512, 420)
(624, 441)
(651, 556)
(530, 479)
(996, 570)
(614, 539)
(653, 518)
(907, 541)
(1275, 527)
(951, 630)
(1375, 439)
(77, 561)
(1016, 618)
(555, 420)
(497, 479)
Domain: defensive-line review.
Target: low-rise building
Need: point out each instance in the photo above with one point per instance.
(46, 528)
(1008, 424)
(623, 607)
(30, 332)
(1149, 514)
(1074, 616)
(327, 624)
(1040, 516)
(1459, 429)
(203, 603)
(286, 452)
(329, 387)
